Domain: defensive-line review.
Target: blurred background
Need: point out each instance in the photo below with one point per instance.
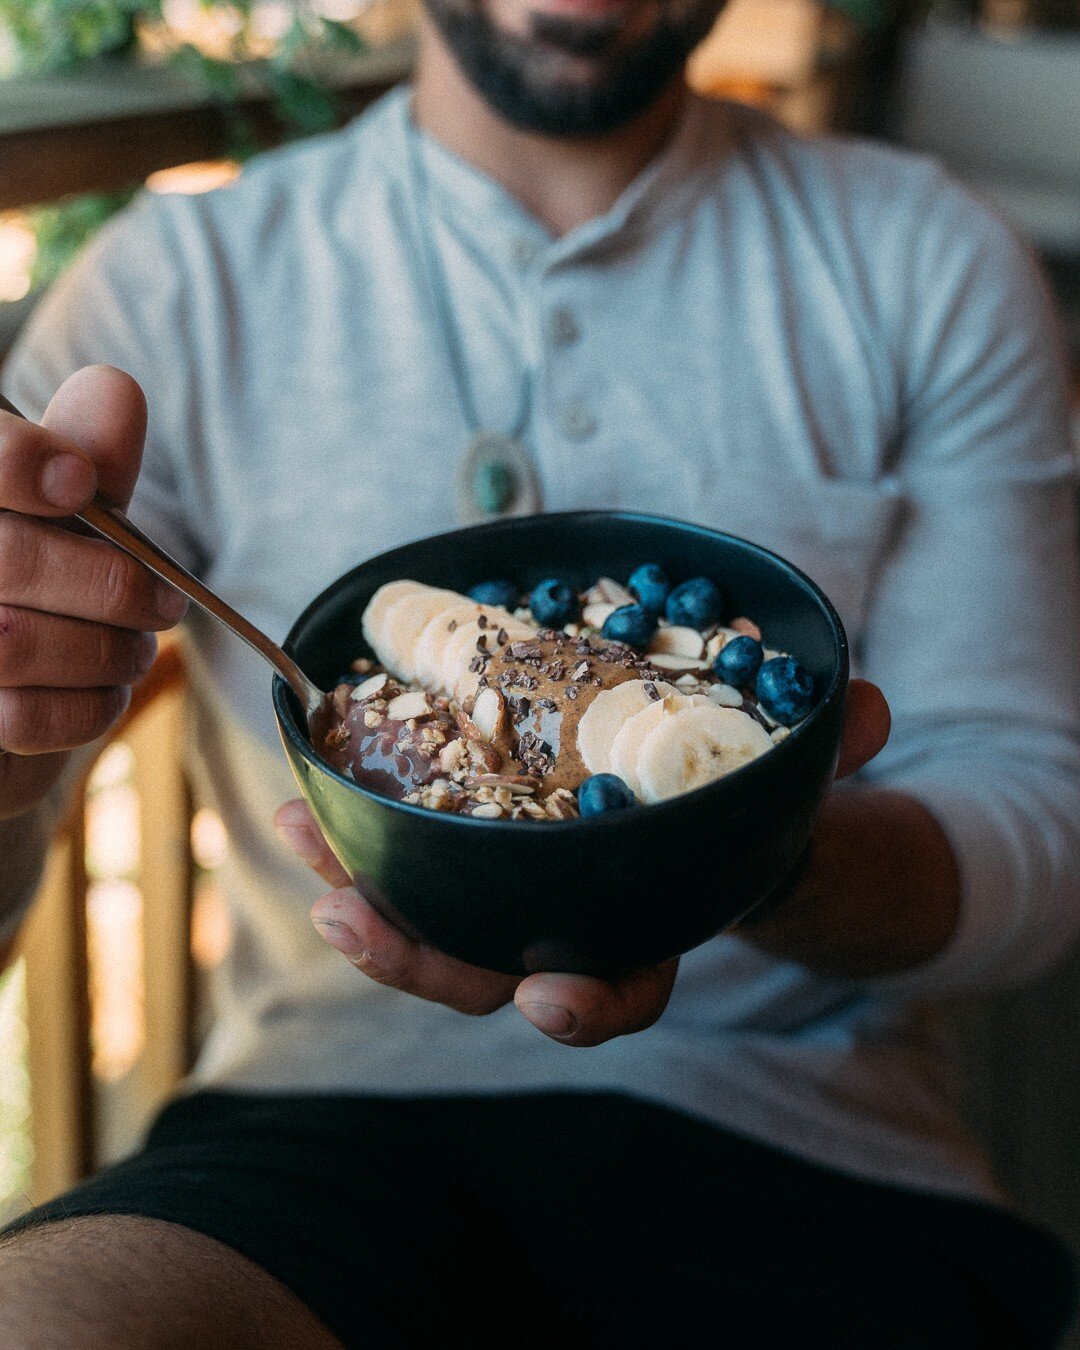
(102, 99)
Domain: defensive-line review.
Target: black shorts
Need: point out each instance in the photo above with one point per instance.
(578, 1219)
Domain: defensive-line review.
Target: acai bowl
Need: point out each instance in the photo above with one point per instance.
(597, 893)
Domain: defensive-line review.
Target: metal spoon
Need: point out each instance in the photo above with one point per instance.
(111, 522)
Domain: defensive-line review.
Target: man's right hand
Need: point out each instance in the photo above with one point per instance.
(77, 616)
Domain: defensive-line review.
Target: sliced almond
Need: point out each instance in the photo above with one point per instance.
(614, 593)
(747, 627)
(675, 640)
(489, 811)
(412, 704)
(453, 756)
(666, 661)
(725, 695)
(369, 688)
(489, 714)
(597, 615)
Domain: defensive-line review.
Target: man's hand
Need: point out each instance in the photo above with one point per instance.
(881, 892)
(77, 616)
(572, 1009)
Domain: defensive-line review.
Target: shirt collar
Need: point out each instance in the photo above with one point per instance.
(480, 204)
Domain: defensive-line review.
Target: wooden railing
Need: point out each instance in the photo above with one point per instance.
(54, 946)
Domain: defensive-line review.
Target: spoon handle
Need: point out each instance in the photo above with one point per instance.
(111, 522)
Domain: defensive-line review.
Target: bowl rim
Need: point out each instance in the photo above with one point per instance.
(282, 694)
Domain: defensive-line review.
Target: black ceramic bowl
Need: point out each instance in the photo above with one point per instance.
(609, 893)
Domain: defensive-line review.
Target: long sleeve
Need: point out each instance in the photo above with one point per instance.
(120, 304)
(975, 624)
(123, 303)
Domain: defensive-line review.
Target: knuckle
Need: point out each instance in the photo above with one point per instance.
(16, 640)
(367, 965)
(9, 729)
(16, 557)
(105, 655)
(116, 582)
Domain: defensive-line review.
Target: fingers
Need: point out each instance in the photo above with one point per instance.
(41, 473)
(573, 1009)
(38, 563)
(37, 721)
(866, 727)
(103, 411)
(582, 1011)
(377, 949)
(42, 649)
(298, 831)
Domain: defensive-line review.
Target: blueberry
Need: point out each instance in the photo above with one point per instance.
(632, 624)
(502, 593)
(554, 604)
(785, 689)
(739, 661)
(601, 793)
(650, 584)
(696, 603)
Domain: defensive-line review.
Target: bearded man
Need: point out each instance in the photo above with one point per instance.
(643, 301)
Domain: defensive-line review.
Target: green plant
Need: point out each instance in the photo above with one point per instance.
(47, 36)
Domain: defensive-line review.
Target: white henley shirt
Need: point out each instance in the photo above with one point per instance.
(820, 344)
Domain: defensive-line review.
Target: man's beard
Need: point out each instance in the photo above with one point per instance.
(524, 79)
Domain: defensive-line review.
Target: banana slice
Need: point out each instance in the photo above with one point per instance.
(695, 746)
(431, 644)
(374, 621)
(461, 648)
(605, 715)
(405, 620)
(627, 744)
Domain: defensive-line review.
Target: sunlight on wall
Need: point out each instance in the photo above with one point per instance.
(114, 915)
(210, 932)
(15, 1147)
(766, 44)
(202, 175)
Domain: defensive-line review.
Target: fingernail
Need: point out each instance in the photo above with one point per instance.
(171, 603)
(341, 937)
(302, 842)
(67, 481)
(550, 1018)
(145, 652)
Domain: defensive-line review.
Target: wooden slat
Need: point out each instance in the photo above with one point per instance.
(166, 878)
(53, 162)
(58, 1021)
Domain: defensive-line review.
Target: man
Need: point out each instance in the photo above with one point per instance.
(675, 306)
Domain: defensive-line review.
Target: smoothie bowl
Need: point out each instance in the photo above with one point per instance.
(580, 742)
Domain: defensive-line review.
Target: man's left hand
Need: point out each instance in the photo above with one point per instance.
(572, 1009)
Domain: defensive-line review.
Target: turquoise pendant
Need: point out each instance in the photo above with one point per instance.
(496, 478)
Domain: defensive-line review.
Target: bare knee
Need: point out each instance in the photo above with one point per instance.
(111, 1282)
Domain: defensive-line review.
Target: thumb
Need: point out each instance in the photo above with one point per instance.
(103, 411)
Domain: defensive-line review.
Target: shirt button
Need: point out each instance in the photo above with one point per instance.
(562, 328)
(577, 422)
